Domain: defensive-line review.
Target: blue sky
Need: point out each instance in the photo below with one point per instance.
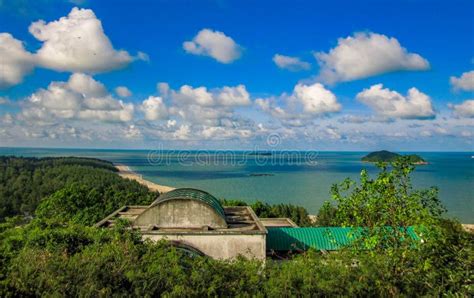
(310, 100)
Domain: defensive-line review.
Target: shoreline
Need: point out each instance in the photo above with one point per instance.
(125, 172)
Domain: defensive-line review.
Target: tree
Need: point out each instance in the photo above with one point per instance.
(386, 207)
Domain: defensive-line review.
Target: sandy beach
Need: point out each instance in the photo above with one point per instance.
(126, 172)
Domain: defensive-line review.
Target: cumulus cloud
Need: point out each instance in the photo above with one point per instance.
(225, 96)
(364, 55)
(464, 82)
(464, 110)
(214, 44)
(204, 110)
(385, 102)
(154, 108)
(86, 85)
(77, 43)
(189, 95)
(316, 99)
(302, 105)
(15, 61)
(81, 97)
(233, 96)
(123, 91)
(290, 63)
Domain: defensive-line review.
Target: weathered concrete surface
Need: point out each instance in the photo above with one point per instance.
(220, 246)
(181, 213)
(277, 222)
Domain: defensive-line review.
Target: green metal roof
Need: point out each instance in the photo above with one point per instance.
(192, 194)
(320, 238)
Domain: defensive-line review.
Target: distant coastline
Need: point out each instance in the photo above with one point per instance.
(126, 172)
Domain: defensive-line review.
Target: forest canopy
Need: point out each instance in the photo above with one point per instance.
(24, 182)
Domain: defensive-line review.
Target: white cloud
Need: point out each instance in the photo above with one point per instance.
(225, 96)
(223, 133)
(364, 55)
(290, 63)
(299, 109)
(132, 132)
(302, 105)
(86, 85)
(182, 133)
(154, 108)
(214, 44)
(190, 95)
(416, 105)
(465, 82)
(316, 99)
(15, 61)
(201, 108)
(77, 43)
(464, 110)
(233, 96)
(123, 91)
(81, 97)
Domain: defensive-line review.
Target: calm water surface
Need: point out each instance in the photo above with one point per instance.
(297, 177)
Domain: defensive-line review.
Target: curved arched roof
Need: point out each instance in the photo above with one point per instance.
(191, 194)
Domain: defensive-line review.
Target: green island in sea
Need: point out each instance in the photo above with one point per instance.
(387, 156)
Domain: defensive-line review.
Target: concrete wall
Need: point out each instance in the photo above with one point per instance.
(221, 246)
(181, 214)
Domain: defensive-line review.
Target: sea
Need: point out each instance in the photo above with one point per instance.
(292, 177)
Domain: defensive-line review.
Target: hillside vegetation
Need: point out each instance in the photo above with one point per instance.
(59, 253)
(24, 182)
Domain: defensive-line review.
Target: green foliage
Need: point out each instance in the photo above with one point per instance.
(439, 262)
(88, 204)
(381, 156)
(387, 156)
(24, 182)
(297, 214)
(52, 259)
(386, 205)
(58, 254)
(326, 215)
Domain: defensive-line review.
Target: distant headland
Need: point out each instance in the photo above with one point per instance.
(387, 156)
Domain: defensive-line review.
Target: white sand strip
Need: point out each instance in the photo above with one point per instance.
(126, 172)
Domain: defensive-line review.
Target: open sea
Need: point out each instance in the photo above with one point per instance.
(300, 178)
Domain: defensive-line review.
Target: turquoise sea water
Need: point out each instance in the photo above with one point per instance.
(301, 178)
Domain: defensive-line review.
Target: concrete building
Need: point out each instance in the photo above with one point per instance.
(195, 219)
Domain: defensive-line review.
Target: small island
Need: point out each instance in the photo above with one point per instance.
(260, 174)
(387, 156)
(260, 153)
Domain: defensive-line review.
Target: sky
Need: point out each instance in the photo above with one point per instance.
(289, 75)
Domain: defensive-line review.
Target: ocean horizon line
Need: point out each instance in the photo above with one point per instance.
(230, 150)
